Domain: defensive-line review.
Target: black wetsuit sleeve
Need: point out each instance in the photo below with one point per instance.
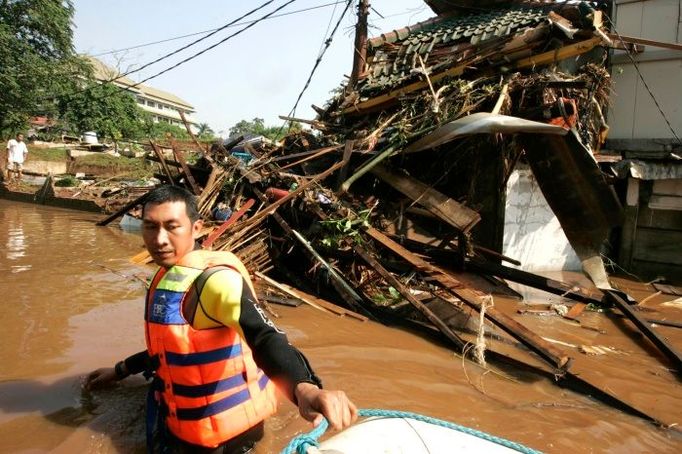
(273, 353)
(139, 362)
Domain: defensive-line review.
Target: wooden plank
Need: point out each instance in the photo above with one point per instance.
(668, 289)
(290, 291)
(347, 150)
(645, 42)
(658, 340)
(332, 307)
(668, 187)
(162, 160)
(185, 169)
(225, 225)
(665, 202)
(405, 292)
(204, 151)
(125, 209)
(454, 213)
(662, 246)
(659, 219)
(557, 55)
(295, 193)
(550, 353)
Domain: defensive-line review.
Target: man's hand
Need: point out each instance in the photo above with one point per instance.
(315, 403)
(100, 377)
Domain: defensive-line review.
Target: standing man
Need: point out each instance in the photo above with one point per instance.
(16, 155)
(214, 355)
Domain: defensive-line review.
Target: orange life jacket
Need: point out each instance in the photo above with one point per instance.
(212, 388)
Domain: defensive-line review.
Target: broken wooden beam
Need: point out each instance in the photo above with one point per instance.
(614, 297)
(185, 169)
(162, 160)
(405, 292)
(128, 206)
(550, 353)
(573, 292)
(454, 213)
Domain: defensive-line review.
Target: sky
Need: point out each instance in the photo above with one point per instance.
(258, 73)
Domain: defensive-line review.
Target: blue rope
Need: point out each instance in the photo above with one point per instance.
(300, 444)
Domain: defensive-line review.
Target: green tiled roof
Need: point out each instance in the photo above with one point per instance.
(395, 55)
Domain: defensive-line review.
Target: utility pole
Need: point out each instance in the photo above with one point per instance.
(360, 51)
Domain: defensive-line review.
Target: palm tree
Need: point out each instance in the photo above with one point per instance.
(203, 129)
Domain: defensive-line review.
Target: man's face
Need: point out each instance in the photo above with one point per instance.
(20, 137)
(168, 232)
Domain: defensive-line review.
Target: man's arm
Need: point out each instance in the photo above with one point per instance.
(134, 364)
(226, 297)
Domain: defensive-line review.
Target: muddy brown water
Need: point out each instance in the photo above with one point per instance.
(71, 304)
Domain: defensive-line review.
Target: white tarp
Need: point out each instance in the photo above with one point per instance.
(482, 123)
(532, 233)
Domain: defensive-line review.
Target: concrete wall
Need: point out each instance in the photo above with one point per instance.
(634, 114)
(45, 167)
(532, 233)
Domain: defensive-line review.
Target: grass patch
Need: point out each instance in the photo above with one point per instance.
(47, 154)
(132, 167)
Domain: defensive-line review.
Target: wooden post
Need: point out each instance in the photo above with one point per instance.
(188, 173)
(162, 160)
(360, 53)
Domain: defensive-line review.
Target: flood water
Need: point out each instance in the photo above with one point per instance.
(72, 304)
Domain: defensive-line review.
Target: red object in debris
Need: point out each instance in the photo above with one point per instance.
(275, 193)
(570, 106)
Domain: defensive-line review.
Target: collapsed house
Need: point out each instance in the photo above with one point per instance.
(395, 208)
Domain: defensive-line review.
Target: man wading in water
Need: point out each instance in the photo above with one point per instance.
(213, 353)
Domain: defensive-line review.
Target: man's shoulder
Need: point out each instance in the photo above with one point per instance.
(11, 143)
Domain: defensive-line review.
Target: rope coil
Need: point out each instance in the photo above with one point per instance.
(301, 443)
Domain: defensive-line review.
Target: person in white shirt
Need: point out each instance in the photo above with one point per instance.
(16, 155)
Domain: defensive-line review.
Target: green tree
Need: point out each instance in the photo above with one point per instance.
(204, 132)
(257, 127)
(104, 108)
(37, 59)
(162, 130)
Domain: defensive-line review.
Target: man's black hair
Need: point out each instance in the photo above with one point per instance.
(167, 193)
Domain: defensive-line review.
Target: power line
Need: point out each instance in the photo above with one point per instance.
(641, 77)
(193, 56)
(196, 41)
(201, 52)
(327, 43)
(175, 38)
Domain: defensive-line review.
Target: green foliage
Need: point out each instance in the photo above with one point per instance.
(339, 230)
(67, 182)
(257, 127)
(162, 130)
(204, 132)
(37, 60)
(103, 108)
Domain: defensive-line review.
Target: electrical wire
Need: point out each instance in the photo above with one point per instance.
(191, 57)
(189, 35)
(327, 43)
(213, 46)
(641, 77)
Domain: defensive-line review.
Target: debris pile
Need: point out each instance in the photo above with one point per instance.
(400, 190)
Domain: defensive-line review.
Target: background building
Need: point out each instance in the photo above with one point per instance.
(161, 105)
(651, 240)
